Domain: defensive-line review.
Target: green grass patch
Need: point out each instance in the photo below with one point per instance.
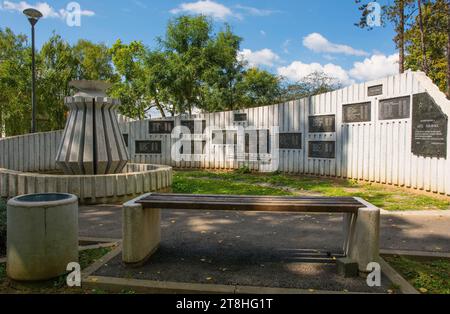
(241, 183)
(429, 277)
(88, 257)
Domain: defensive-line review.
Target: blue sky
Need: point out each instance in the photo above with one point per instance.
(287, 37)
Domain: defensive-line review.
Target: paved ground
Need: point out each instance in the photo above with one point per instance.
(261, 249)
(416, 231)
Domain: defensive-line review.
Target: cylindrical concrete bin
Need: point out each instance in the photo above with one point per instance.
(42, 235)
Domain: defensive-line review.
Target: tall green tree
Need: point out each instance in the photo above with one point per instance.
(93, 61)
(435, 21)
(57, 66)
(397, 13)
(15, 82)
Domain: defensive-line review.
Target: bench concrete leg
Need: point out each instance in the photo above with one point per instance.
(364, 237)
(141, 233)
(349, 221)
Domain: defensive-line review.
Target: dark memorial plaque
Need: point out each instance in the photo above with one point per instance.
(290, 140)
(240, 117)
(322, 150)
(125, 139)
(375, 90)
(195, 126)
(197, 147)
(356, 113)
(160, 127)
(322, 124)
(429, 128)
(148, 147)
(395, 108)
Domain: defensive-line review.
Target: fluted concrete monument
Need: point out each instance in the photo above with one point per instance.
(92, 142)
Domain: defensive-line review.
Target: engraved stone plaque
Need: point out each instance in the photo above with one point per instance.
(240, 117)
(322, 124)
(125, 139)
(429, 128)
(148, 147)
(356, 113)
(290, 140)
(395, 108)
(160, 127)
(375, 90)
(195, 126)
(322, 150)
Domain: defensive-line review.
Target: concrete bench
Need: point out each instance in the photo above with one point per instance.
(142, 219)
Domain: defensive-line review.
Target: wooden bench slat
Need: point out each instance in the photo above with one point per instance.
(251, 203)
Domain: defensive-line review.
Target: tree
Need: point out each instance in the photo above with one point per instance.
(448, 50)
(397, 13)
(258, 88)
(57, 66)
(313, 84)
(93, 61)
(15, 82)
(435, 22)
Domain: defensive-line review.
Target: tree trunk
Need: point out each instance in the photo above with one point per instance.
(401, 36)
(160, 108)
(448, 53)
(422, 39)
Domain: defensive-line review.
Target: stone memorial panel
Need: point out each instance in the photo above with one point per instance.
(322, 124)
(240, 117)
(322, 150)
(429, 128)
(160, 127)
(395, 108)
(290, 140)
(375, 90)
(354, 113)
(148, 147)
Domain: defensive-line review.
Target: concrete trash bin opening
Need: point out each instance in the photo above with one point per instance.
(42, 236)
(45, 197)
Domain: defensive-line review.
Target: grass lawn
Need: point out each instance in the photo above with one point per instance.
(429, 277)
(57, 285)
(241, 183)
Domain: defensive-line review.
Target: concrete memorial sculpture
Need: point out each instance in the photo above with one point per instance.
(92, 142)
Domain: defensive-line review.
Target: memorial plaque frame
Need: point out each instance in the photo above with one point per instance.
(240, 117)
(160, 127)
(356, 113)
(322, 149)
(190, 124)
(394, 108)
(292, 140)
(375, 90)
(125, 139)
(148, 147)
(429, 128)
(322, 124)
(193, 147)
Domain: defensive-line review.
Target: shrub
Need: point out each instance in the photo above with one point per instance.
(2, 226)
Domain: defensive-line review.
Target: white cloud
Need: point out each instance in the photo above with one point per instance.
(205, 7)
(263, 33)
(47, 10)
(376, 67)
(318, 43)
(298, 70)
(255, 11)
(261, 57)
